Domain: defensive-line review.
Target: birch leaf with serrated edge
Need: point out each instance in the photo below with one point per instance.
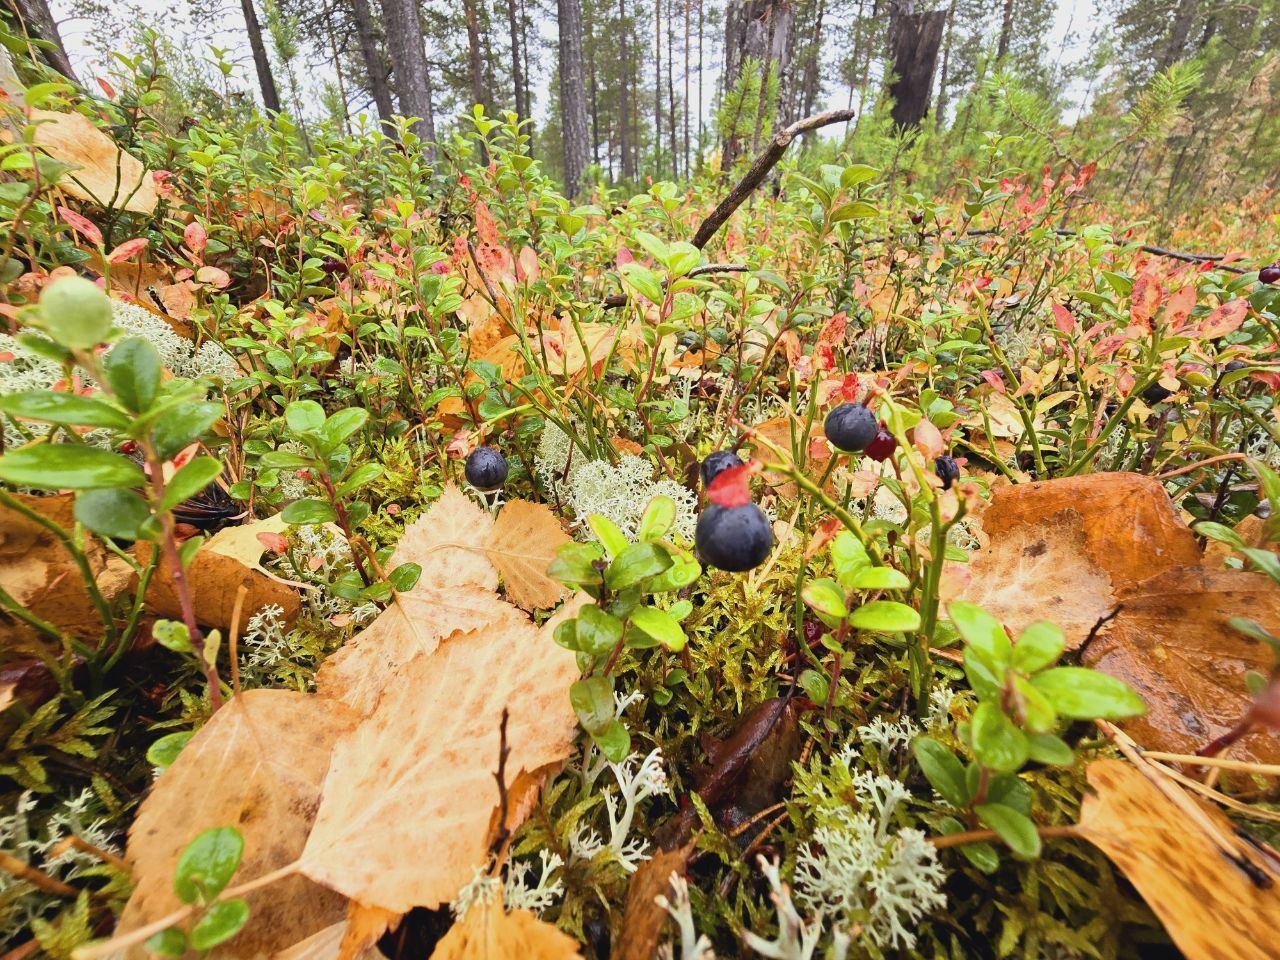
(447, 542)
(522, 545)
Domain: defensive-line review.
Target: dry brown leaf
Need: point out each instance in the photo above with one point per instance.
(522, 545)
(489, 933)
(1038, 571)
(1252, 530)
(1171, 642)
(818, 454)
(413, 783)
(327, 944)
(107, 175)
(257, 765)
(40, 574)
(1211, 908)
(229, 559)
(642, 918)
(412, 626)
(1055, 545)
(447, 542)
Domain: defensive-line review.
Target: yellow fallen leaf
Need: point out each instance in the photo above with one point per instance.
(257, 765)
(106, 175)
(522, 545)
(488, 932)
(1213, 909)
(445, 541)
(410, 792)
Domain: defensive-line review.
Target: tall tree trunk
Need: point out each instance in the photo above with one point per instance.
(409, 61)
(517, 77)
(813, 66)
(624, 146)
(671, 91)
(1006, 30)
(946, 63)
(657, 87)
(701, 95)
(595, 100)
(36, 19)
(375, 62)
(475, 62)
(687, 11)
(337, 68)
(573, 106)
(270, 95)
(914, 39)
(1179, 32)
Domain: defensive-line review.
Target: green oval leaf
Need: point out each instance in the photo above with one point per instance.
(996, 742)
(220, 923)
(165, 751)
(191, 478)
(134, 371)
(885, 616)
(943, 770)
(1084, 694)
(50, 406)
(68, 466)
(114, 513)
(207, 864)
(1018, 831)
(661, 626)
(308, 511)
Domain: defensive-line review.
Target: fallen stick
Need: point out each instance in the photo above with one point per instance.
(773, 152)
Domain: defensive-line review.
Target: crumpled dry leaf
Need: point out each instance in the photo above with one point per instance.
(412, 626)
(1055, 545)
(413, 783)
(230, 558)
(489, 933)
(1211, 908)
(446, 542)
(107, 175)
(257, 765)
(522, 544)
(39, 573)
(1251, 530)
(326, 945)
(1171, 642)
(777, 431)
(642, 918)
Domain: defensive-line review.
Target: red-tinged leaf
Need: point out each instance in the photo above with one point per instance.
(833, 330)
(527, 265)
(214, 276)
(1145, 299)
(275, 542)
(128, 250)
(81, 225)
(195, 237)
(624, 256)
(732, 488)
(107, 88)
(1225, 319)
(928, 439)
(1179, 307)
(486, 226)
(1062, 318)
(993, 378)
(1272, 380)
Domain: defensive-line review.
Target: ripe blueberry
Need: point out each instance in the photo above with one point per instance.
(1155, 394)
(486, 468)
(1234, 365)
(1270, 274)
(882, 447)
(850, 427)
(947, 469)
(717, 463)
(733, 538)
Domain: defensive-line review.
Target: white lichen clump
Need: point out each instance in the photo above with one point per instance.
(515, 889)
(860, 871)
(619, 492)
(635, 784)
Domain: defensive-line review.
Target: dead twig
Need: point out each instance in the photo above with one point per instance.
(760, 169)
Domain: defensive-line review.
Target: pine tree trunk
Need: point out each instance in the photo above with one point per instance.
(1006, 31)
(35, 17)
(914, 40)
(671, 91)
(941, 113)
(657, 87)
(517, 77)
(595, 100)
(624, 145)
(573, 106)
(686, 85)
(474, 62)
(1179, 32)
(375, 62)
(409, 61)
(270, 95)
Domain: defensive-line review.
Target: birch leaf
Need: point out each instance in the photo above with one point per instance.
(522, 545)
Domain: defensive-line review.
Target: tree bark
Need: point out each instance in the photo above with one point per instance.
(914, 40)
(36, 19)
(409, 61)
(624, 139)
(573, 105)
(270, 95)
(1179, 33)
(474, 64)
(946, 62)
(1006, 30)
(517, 78)
(375, 62)
(657, 87)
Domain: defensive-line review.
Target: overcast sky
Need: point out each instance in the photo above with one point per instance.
(1066, 42)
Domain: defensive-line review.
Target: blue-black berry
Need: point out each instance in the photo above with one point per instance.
(733, 538)
(1156, 394)
(717, 463)
(1270, 274)
(850, 427)
(486, 468)
(947, 469)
